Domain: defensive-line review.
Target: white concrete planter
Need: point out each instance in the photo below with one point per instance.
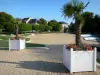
(16, 44)
(78, 61)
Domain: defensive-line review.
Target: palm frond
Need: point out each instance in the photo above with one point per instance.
(86, 5)
(75, 2)
(67, 10)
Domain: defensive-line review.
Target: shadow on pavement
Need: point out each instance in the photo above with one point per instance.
(40, 65)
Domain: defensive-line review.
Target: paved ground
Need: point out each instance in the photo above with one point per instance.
(39, 61)
(35, 62)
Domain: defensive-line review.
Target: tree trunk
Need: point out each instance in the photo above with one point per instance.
(17, 32)
(78, 33)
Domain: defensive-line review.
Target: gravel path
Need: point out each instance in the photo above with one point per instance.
(35, 62)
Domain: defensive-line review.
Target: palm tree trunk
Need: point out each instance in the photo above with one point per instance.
(17, 31)
(78, 33)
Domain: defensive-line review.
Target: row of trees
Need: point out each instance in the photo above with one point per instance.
(8, 24)
(52, 25)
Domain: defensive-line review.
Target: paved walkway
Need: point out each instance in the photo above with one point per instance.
(35, 62)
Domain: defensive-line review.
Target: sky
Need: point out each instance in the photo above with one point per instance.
(47, 9)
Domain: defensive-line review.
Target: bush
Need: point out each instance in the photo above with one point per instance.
(41, 28)
(10, 28)
(25, 27)
(59, 27)
(55, 25)
(36, 27)
(48, 28)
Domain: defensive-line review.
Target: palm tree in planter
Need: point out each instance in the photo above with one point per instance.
(16, 42)
(74, 60)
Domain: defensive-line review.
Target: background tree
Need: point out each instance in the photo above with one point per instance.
(11, 28)
(36, 27)
(58, 27)
(92, 23)
(61, 22)
(19, 20)
(42, 21)
(96, 24)
(55, 25)
(88, 22)
(6, 21)
(41, 28)
(71, 28)
(42, 25)
(48, 28)
(75, 9)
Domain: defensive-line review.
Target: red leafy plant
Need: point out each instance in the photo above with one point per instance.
(14, 38)
(76, 48)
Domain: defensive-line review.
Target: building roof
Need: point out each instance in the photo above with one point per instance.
(29, 20)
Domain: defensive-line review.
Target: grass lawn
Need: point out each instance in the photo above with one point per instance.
(6, 37)
(4, 43)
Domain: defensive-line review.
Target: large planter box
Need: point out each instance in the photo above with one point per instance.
(78, 61)
(16, 44)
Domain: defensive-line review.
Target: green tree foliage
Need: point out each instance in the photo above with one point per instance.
(96, 25)
(10, 28)
(42, 21)
(61, 22)
(25, 27)
(59, 27)
(71, 28)
(19, 20)
(92, 23)
(55, 25)
(36, 27)
(48, 28)
(88, 22)
(6, 21)
(41, 28)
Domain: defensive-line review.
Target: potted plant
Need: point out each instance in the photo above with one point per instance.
(16, 43)
(78, 57)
